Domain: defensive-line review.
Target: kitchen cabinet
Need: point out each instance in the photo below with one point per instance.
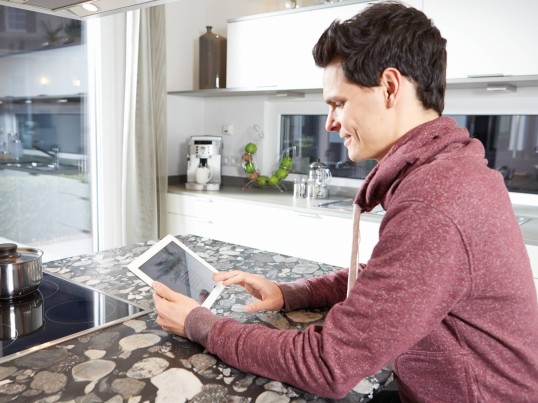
(306, 233)
(285, 230)
(194, 215)
(274, 50)
(48, 72)
(487, 37)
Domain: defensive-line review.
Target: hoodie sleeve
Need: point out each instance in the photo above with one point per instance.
(416, 273)
(318, 292)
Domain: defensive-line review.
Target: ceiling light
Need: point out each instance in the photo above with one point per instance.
(92, 8)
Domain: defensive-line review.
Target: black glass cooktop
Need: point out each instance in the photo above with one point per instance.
(57, 311)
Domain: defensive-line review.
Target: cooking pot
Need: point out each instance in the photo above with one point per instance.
(20, 270)
(21, 316)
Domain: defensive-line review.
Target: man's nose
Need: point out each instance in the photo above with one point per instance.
(331, 125)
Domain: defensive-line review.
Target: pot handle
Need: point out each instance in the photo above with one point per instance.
(8, 250)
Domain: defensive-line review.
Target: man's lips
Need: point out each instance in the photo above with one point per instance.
(347, 140)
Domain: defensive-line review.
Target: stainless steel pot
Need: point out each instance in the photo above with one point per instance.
(20, 270)
(21, 316)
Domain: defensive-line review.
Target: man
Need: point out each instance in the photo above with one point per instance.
(447, 296)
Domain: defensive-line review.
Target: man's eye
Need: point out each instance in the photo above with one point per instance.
(339, 105)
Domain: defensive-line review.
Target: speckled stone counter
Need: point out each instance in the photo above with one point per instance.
(136, 361)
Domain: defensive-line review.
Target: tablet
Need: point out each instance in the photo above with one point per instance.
(172, 263)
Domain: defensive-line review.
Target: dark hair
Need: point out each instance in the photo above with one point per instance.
(388, 34)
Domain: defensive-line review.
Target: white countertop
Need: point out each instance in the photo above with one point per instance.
(275, 198)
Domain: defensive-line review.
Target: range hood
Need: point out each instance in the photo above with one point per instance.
(81, 9)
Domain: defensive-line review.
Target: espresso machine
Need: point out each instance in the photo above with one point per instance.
(204, 163)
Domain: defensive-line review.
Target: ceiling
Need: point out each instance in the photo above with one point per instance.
(78, 8)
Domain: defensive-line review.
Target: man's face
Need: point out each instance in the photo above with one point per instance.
(360, 115)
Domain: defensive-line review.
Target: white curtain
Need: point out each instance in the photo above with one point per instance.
(127, 119)
(144, 173)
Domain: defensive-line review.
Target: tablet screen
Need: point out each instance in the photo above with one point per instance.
(173, 264)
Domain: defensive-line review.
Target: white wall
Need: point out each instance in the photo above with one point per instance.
(186, 21)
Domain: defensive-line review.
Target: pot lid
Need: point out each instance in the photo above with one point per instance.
(318, 165)
(12, 253)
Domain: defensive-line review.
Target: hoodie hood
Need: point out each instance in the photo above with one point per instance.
(433, 139)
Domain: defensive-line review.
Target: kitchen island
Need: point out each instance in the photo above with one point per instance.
(137, 361)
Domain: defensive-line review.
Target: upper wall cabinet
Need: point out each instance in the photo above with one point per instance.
(53, 72)
(487, 37)
(274, 50)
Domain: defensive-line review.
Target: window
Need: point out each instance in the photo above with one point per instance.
(44, 183)
(313, 143)
(15, 19)
(511, 143)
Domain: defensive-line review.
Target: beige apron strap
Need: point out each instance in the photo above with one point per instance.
(354, 264)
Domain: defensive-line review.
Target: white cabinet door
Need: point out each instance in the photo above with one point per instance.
(188, 214)
(276, 50)
(319, 238)
(312, 236)
(487, 37)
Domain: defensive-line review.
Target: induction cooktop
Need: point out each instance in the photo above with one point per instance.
(58, 311)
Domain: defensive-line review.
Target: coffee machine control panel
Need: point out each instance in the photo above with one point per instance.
(203, 150)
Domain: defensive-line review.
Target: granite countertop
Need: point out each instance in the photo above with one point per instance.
(137, 361)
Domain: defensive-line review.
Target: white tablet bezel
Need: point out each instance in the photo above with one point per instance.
(135, 266)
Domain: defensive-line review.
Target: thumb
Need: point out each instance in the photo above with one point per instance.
(163, 291)
(257, 306)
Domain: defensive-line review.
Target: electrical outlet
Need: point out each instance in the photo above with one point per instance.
(230, 160)
(228, 128)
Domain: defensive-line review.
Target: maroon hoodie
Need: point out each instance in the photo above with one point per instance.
(447, 296)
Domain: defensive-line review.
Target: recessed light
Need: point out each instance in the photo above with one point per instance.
(92, 8)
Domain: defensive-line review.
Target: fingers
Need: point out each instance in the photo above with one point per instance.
(237, 277)
(225, 276)
(268, 293)
(272, 303)
(258, 306)
(163, 291)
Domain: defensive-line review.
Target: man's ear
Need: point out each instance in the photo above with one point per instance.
(391, 81)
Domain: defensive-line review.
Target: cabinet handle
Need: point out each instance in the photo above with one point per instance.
(203, 220)
(308, 215)
(202, 200)
(490, 75)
